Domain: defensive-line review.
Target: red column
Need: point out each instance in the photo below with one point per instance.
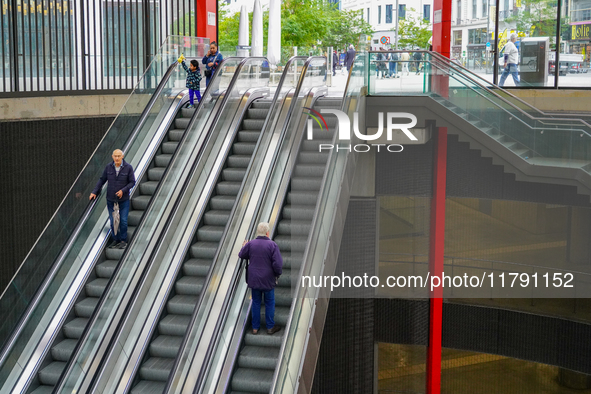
(441, 41)
(436, 250)
(207, 15)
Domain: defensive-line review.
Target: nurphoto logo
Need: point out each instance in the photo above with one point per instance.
(345, 130)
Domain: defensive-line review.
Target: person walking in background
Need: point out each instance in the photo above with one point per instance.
(350, 57)
(405, 57)
(335, 62)
(211, 60)
(511, 57)
(418, 56)
(120, 177)
(393, 65)
(266, 265)
(193, 79)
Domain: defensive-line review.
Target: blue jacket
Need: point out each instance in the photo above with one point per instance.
(193, 77)
(265, 265)
(124, 181)
(216, 59)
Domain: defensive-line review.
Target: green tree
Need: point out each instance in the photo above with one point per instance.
(413, 31)
(537, 18)
(346, 29)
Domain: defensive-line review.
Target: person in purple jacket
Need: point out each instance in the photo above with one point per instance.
(265, 267)
(120, 177)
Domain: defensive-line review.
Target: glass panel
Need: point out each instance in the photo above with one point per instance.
(70, 242)
(401, 368)
(137, 258)
(575, 45)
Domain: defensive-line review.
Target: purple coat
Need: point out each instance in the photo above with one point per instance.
(265, 262)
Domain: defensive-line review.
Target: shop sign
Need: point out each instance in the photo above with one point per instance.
(580, 32)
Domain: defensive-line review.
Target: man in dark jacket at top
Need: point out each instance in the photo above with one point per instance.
(350, 57)
(335, 63)
(120, 177)
(265, 267)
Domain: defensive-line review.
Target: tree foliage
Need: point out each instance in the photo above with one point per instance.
(413, 31)
(537, 18)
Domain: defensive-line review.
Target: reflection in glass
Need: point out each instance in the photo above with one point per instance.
(401, 368)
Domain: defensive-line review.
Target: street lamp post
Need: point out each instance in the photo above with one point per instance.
(397, 18)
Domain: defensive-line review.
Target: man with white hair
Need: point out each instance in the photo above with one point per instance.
(350, 57)
(511, 57)
(264, 268)
(120, 177)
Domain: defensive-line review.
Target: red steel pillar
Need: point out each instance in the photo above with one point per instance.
(207, 19)
(441, 41)
(436, 251)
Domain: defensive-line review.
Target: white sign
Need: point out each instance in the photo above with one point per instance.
(437, 16)
(211, 18)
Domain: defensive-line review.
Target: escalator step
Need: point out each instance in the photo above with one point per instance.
(74, 328)
(156, 173)
(181, 304)
(169, 147)
(238, 161)
(196, 267)
(210, 233)
(189, 285)
(243, 148)
(233, 174)
(43, 390)
(283, 296)
(148, 187)
(257, 113)
(314, 145)
(302, 198)
(253, 124)
(115, 254)
(263, 357)
(305, 184)
(51, 374)
(249, 136)
(228, 188)
(281, 316)
(262, 339)
(216, 218)
(298, 212)
(285, 279)
(85, 307)
(148, 387)
(313, 158)
(187, 112)
(166, 346)
(106, 268)
(309, 170)
(134, 217)
(261, 104)
(176, 134)
(140, 202)
(292, 260)
(181, 123)
(156, 369)
(291, 243)
(162, 160)
(328, 103)
(96, 288)
(174, 325)
(63, 350)
(294, 227)
(204, 250)
(222, 203)
(252, 380)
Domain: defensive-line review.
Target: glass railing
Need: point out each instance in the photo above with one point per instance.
(539, 140)
(147, 294)
(266, 181)
(94, 342)
(70, 242)
(302, 312)
(132, 125)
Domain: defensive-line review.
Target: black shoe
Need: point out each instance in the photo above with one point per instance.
(273, 330)
(122, 245)
(114, 245)
(255, 332)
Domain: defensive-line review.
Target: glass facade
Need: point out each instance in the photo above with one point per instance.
(389, 13)
(402, 11)
(427, 12)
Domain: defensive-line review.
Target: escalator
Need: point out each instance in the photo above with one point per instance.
(76, 321)
(189, 284)
(258, 356)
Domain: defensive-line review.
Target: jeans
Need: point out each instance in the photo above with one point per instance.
(269, 308)
(196, 93)
(123, 214)
(404, 67)
(392, 68)
(510, 69)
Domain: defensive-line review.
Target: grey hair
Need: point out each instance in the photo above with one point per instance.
(262, 229)
(351, 46)
(513, 35)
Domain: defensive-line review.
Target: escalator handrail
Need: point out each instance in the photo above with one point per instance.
(307, 249)
(236, 277)
(466, 70)
(164, 231)
(95, 313)
(57, 264)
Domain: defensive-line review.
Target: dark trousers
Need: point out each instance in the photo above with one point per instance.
(196, 93)
(269, 308)
(123, 214)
